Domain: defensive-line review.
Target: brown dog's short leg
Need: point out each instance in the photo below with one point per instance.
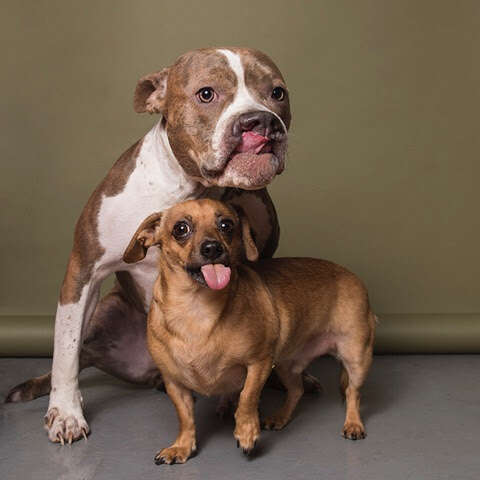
(355, 369)
(185, 444)
(247, 423)
(353, 427)
(294, 384)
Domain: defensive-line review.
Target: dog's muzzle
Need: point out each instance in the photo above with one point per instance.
(254, 149)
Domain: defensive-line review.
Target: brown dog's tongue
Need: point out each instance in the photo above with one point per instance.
(217, 276)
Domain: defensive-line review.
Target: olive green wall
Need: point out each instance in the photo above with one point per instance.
(384, 153)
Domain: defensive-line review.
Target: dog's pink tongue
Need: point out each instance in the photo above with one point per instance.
(251, 142)
(217, 276)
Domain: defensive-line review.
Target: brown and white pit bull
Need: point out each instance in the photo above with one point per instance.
(222, 134)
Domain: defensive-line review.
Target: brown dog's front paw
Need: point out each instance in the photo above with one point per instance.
(275, 422)
(247, 433)
(173, 454)
(354, 431)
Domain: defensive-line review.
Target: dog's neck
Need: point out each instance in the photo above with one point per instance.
(164, 171)
(167, 177)
(183, 300)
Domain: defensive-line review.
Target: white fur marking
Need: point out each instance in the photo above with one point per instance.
(242, 101)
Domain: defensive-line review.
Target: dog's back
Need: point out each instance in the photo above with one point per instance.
(316, 297)
(305, 282)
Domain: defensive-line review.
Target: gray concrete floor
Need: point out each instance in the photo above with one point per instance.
(422, 415)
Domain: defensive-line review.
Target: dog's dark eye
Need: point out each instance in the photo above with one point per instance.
(181, 230)
(206, 94)
(278, 93)
(225, 226)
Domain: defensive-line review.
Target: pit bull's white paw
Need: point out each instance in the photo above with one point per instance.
(65, 428)
(64, 420)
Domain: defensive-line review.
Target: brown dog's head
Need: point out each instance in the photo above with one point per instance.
(226, 113)
(204, 239)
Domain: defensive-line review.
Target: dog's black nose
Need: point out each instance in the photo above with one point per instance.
(211, 249)
(263, 123)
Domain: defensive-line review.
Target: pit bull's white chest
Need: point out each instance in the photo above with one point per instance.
(156, 183)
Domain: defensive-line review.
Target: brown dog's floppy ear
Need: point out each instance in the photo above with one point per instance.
(145, 236)
(151, 92)
(251, 251)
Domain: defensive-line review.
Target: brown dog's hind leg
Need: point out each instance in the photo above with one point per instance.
(356, 362)
(185, 444)
(294, 385)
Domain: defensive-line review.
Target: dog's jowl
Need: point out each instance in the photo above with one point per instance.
(247, 319)
(222, 133)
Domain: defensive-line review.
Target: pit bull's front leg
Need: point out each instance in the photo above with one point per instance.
(247, 422)
(64, 420)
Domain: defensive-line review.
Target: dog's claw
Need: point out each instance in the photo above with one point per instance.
(248, 451)
(238, 444)
(354, 432)
(50, 417)
(65, 428)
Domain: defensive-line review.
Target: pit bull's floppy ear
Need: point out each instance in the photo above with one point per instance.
(147, 234)
(251, 251)
(151, 92)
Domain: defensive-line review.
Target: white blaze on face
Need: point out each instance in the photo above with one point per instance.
(242, 102)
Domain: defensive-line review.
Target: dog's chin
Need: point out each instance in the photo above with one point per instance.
(248, 170)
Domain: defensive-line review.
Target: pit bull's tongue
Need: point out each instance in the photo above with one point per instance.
(251, 142)
(217, 276)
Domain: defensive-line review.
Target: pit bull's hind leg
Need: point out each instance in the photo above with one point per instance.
(31, 389)
(115, 343)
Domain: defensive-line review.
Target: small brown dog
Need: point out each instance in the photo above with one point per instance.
(218, 326)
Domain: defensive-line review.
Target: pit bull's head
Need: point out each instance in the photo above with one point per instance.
(226, 113)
